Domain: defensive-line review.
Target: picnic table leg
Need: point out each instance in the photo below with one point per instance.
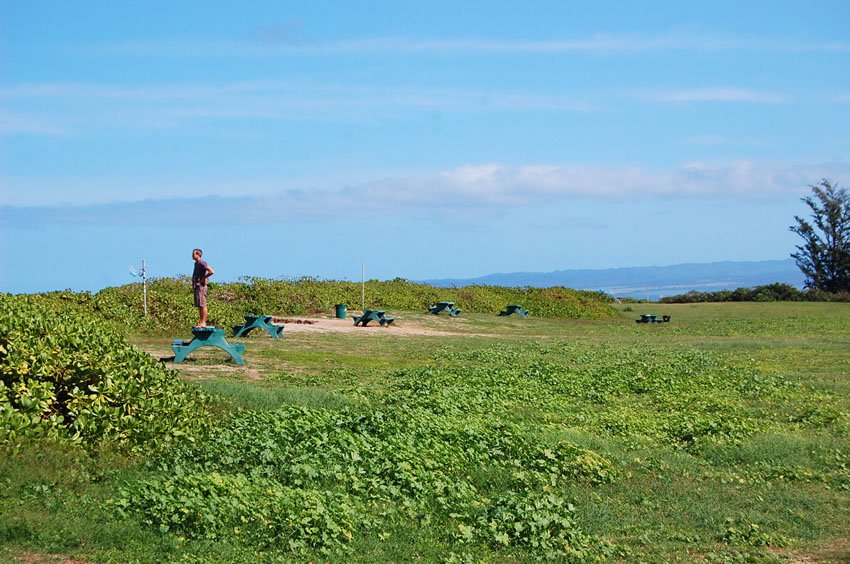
(182, 351)
(241, 330)
(235, 352)
(274, 331)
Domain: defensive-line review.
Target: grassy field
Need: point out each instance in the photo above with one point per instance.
(723, 436)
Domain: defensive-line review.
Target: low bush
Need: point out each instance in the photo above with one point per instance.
(170, 300)
(767, 293)
(65, 376)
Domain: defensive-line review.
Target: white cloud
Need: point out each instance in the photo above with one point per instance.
(83, 105)
(463, 189)
(716, 94)
(598, 43)
(708, 140)
(497, 185)
(290, 94)
(26, 124)
(147, 92)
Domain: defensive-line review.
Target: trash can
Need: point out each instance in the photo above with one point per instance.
(340, 310)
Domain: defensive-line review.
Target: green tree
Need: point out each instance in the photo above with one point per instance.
(824, 256)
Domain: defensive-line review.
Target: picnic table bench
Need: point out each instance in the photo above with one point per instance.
(378, 315)
(448, 306)
(514, 308)
(207, 337)
(258, 322)
(652, 318)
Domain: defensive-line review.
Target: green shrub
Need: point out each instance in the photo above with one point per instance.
(776, 292)
(63, 375)
(170, 300)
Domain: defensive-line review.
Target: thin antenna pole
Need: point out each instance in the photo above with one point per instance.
(143, 274)
(363, 285)
(145, 286)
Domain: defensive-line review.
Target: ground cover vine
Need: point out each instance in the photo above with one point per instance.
(486, 449)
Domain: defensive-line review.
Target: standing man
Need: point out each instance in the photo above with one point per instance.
(199, 285)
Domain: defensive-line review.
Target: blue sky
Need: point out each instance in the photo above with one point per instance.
(428, 139)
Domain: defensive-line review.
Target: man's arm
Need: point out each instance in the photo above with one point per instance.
(210, 271)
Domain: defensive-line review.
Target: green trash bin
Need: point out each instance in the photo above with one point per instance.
(340, 310)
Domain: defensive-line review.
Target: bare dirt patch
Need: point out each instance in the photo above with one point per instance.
(202, 365)
(36, 558)
(214, 371)
(836, 551)
(291, 320)
(334, 325)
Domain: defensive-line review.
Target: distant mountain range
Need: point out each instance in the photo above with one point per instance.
(649, 282)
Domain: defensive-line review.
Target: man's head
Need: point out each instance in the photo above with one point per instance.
(197, 254)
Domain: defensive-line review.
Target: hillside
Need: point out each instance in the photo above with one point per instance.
(648, 282)
(170, 300)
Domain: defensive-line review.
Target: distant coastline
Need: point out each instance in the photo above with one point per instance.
(648, 282)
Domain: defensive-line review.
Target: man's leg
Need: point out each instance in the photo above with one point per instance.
(201, 304)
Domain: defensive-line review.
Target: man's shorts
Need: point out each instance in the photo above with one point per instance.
(200, 296)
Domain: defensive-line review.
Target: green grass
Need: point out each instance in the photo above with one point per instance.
(727, 430)
(240, 396)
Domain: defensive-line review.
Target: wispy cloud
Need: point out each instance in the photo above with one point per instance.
(166, 106)
(288, 93)
(27, 124)
(171, 105)
(716, 94)
(157, 92)
(471, 188)
(708, 140)
(713, 140)
(498, 185)
(598, 43)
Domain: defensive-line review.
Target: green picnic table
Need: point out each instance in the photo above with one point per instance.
(514, 308)
(652, 318)
(444, 306)
(207, 337)
(378, 315)
(263, 322)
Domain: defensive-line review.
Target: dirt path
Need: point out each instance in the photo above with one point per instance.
(333, 325)
(315, 325)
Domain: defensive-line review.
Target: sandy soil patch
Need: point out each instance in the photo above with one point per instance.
(214, 371)
(334, 325)
(37, 558)
(836, 551)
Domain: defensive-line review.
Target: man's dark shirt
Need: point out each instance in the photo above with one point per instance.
(199, 275)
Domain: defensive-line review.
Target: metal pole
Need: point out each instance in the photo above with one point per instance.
(363, 285)
(145, 286)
